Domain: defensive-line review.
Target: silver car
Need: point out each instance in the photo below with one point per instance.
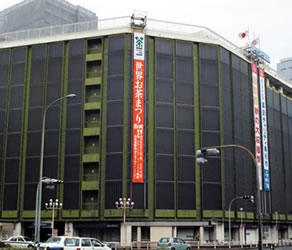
(19, 242)
(172, 243)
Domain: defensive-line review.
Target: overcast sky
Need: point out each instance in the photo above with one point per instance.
(270, 19)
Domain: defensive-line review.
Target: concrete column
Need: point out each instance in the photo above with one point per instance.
(201, 235)
(139, 237)
(289, 232)
(126, 235)
(174, 231)
(69, 229)
(219, 232)
(275, 233)
(17, 229)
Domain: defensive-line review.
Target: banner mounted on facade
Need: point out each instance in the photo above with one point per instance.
(264, 131)
(257, 123)
(138, 109)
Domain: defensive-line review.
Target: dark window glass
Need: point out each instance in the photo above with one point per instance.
(51, 143)
(32, 169)
(33, 144)
(55, 62)
(212, 170)
(53, 92)
(15, 118)
(164, 115)
(35, 119)
(164, 195)
(71, 201)
(114, 166)
(16, 97)
(185, 117)
(4, 66)
(164, 66)
(75, 87)
(13, 145)
(210, 138)
(115, 113)
(2, 121)
(186, 168)
(73, 116)
(210, 119)
(10, 190)
(72, 142)
(209, 95)
(186, 190)
(185, 142)
(164, 168)
(116, 43)
(51, 167)
(116, 63)
(29, 196)
(36, 95)
(114, 142)
(164, 46)
(164, 90)
(184, 93)
(184, 68)
(11, 171)
(3, 97)
(53, 117)
(214, 191)
(115, 88)
(138, 195)
(72, 168)
(113, 191)
(38, 63)
(164, 141)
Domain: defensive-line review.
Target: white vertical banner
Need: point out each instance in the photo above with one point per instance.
(264, 131)
(257, 124)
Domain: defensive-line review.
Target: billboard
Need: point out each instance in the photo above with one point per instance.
(257, 124)
(138, 99)
(264, 131)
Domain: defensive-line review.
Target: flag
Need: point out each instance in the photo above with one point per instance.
(243, 35)
(254, 42)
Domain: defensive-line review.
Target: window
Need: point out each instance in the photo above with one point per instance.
(85, 243)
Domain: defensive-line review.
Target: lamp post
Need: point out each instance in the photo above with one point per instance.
(241, 225)
(124, 204)
(53, 205)
(39, 188)
(200, 160)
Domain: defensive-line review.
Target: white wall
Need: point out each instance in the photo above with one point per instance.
(157, 232)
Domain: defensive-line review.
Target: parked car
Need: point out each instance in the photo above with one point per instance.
(73, 243)
(172, 243)
(19, 242)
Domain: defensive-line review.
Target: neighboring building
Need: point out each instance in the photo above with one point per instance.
(198, 93)
(284, 68)
(32, 14)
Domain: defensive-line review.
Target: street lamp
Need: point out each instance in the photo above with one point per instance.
(124, 204)
(39, 188)
(244, 197)
(53, 205)
(203, 152)
(241, 225)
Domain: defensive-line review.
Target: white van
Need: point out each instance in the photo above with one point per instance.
(73, 243)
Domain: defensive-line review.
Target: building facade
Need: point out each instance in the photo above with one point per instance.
(284, 68)
(198, 92)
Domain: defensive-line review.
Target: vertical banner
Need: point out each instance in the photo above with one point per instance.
(138, 109)
(257, 124)
(264, 131)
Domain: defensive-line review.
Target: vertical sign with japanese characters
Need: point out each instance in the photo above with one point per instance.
(264, 131)
(257, 123)
(138, 109)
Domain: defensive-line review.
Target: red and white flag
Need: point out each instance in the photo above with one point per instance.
(243, 35)
(254, 42)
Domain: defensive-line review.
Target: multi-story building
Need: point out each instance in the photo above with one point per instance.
(198, 92)
(284, 68)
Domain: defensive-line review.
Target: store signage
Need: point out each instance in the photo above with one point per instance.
(138, 109)
(264, 131)
(257, 124)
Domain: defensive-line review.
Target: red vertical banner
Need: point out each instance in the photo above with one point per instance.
(138, 99)
(257, 123)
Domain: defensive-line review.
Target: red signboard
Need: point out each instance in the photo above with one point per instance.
(138, 110)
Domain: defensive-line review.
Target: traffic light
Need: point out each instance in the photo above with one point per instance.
(248, 197)
(202, 154)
